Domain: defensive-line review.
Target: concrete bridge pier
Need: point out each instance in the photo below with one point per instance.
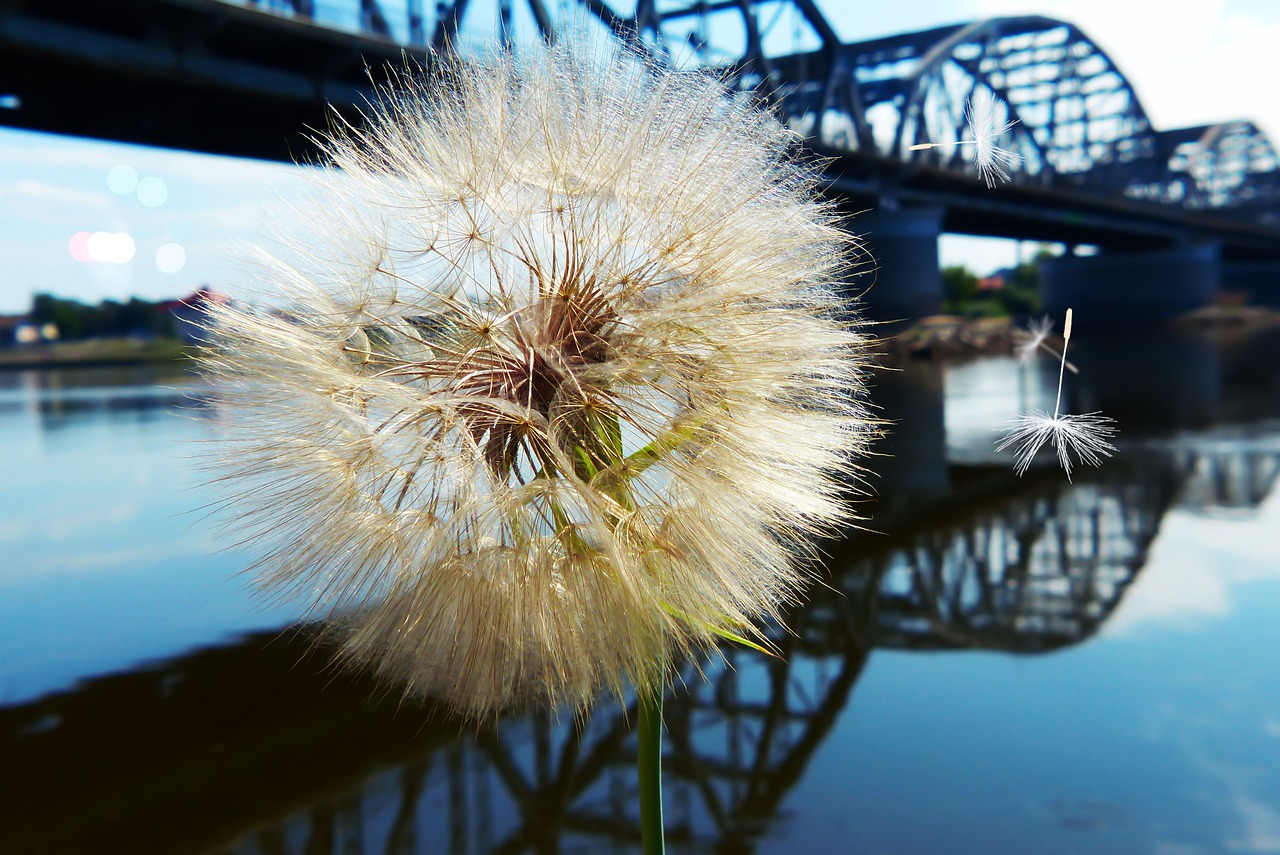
(1139, 288)
(906, 282)
(1182, 386)
(1260, 280)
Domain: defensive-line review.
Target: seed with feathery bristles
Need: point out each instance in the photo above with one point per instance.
(986, 116)
(566, 384)
(1087, 436)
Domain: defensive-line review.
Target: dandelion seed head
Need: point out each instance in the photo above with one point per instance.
(565, 384)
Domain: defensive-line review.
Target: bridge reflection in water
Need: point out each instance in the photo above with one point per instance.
(261, 747)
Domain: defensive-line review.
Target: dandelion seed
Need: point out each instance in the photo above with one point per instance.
(566, 385)
(1027, 342)
(1085, 436)
(986, 116)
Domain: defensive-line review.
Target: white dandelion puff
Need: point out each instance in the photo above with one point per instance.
(567, 384)
(987, 118)
(1084, 436)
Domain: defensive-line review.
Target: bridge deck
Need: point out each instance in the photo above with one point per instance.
(208, 76)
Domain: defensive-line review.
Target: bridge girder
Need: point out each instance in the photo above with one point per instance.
(1229, 167)
(278, 67)
(1078, 121)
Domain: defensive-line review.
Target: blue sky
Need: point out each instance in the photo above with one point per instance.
(1213, 60)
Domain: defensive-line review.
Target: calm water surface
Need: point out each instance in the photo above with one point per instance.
(1007, 665)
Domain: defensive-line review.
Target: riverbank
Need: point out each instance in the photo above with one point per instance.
(951, 337)
(95, 352)
(941, 337)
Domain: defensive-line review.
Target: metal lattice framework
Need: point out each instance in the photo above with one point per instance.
(1231, 165)
(743, 732)
(1079, 123)
(1024, 574)
(1027, 576)
(270, 69)
(1078, 120)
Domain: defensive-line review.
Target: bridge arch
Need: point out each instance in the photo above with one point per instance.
(1078, 119)
(1229, 165)
(279, 66)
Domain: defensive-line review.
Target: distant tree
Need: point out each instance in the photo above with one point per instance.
(68, 316)
(959, 288)
(110, 318)
(104, 320)
(140, 317)
(1017, 295)
(1021, 292)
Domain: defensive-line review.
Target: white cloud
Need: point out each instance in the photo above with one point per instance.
(1257, 821)
(106, 561)
(52, 187)
(1259, 825)
(25, 151)
(56, 194)
(1197, 567)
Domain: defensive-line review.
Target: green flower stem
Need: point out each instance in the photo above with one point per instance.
(649, 765)
(589, 460)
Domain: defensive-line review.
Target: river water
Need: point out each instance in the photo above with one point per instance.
(1002, 665)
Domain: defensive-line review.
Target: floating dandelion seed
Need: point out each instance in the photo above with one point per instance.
(566, 386)
(1085, 436)
(1082, 435)
(1027, 342)
(986, 116)
(987, 122)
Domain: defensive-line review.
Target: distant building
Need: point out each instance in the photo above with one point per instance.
(190, 314)
(9, 326)
(19, 330)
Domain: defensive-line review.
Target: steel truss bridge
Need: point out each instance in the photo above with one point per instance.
(251, 78)
(261, 747)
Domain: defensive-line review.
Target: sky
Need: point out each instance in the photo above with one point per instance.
(67, 204)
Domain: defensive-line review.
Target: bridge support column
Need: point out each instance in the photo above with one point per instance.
(1141, 288)
(1260, 280)
(1181, 378)
(907, 283)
